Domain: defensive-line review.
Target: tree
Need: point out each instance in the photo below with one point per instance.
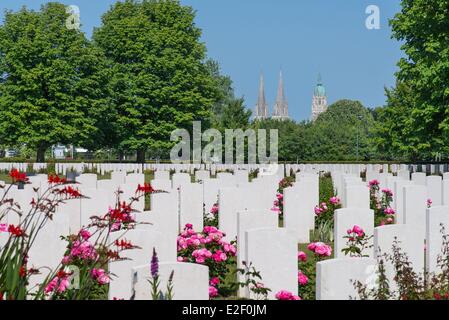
(423, 27)
(291, 135)
(341, 133)
(51, 88)
(160, 81)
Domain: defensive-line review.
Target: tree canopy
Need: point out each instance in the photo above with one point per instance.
(52, 81)
(159, 78)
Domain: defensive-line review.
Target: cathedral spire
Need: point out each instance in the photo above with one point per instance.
(261, 107)
(281, 107)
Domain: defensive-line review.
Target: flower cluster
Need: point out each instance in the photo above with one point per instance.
(55, 179)
(320, 249)
(145, 188)
(325, 211)
(286, 295)
(429, 203)
(15, 231)
(101, 276)
(211, 218)
(278, 204)
(17, 176)
(208, 248)
(59, 284)
(380, 202)
(357, 242)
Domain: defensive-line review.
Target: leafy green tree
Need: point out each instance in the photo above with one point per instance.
(225, 92)
(51, 81)
(292, 138)
(390, 132)
(235, 115)
(335, 135)
(423, 27)
(160, 81)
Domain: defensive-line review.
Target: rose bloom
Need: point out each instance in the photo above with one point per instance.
(389, 211)
(213, 292)
(302, 256)
(334, 200)
(286, 295)
(302, 278)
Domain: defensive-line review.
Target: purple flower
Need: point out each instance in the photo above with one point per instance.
(154, 264)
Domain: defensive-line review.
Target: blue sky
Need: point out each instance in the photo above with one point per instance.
(301, 37)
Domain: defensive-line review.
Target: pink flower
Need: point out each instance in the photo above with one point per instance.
(302, 256)
(180, 259)
(318, 211)
(229, 248)
(85, 234)
(359, 231)
(3, 227)
(302, 278)
(213, 292)
(214, 281)
(429, 202)
(373, 183)
(214, 210)
(57, 284)
(66, 260)
(388, 192)
(320, 248)
(286, 295)
(334, 200)
(219, 256)
(101, 276)
(103, 279)
(389, 211)
(324, 206)
(390, 220)
(279, 196)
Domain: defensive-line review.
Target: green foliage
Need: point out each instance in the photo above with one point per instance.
(52, 81)
(415, 123)
(159, 79)
(333, 136)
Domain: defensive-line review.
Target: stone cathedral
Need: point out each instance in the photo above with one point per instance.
(280, 109)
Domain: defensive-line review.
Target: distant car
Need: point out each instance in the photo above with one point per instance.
(10, 153)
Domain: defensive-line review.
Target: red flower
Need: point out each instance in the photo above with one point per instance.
(62, 274)
(55, 179)
(70, 192)
(146, 188)
(16, 231)
(113, 255)
(18, 176)
(124, 244)
(22, 272)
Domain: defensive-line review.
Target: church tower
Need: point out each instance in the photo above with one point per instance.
(261, 109)
(319, 101)
(280, 110)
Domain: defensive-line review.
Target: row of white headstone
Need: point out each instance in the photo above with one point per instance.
(246, 215)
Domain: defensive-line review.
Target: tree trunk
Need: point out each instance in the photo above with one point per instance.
(40, 157)
(121, 155)
(140, 156)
